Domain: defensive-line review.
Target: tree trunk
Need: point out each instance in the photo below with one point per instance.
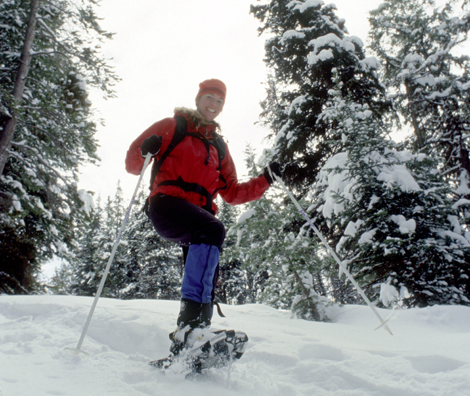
(419, 133)
(6, 135)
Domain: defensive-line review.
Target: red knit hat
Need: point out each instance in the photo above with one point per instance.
(212, 86)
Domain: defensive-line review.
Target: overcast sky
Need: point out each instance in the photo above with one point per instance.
(162, 50)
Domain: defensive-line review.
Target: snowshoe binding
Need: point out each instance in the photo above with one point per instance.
(208, 349)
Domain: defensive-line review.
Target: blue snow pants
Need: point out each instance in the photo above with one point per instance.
(200, 233)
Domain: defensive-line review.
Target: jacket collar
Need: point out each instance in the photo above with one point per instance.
(196, 121)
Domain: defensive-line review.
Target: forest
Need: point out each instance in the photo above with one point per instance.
(397, 212)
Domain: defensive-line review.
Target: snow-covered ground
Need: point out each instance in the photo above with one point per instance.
(429, 353)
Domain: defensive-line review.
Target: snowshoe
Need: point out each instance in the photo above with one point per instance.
(164, 363)
(219, 351)
(210, 349)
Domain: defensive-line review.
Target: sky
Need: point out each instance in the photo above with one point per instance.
(426, 356)
(161, 51)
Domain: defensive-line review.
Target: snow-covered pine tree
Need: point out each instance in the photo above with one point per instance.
(232, 287)
(61, 280)
(306, 41)
(420, 46)
(46, 128)
(391, 214)
(114, 212)
(152, 267)
(276, 247)
(161, 271)
(87, 262)
(82, 272)
(145, 266)
(127, 270)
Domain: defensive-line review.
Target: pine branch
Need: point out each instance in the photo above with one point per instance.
(39, 158)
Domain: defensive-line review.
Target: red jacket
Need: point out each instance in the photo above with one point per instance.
(187, 161)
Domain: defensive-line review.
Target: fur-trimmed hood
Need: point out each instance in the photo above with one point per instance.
(196, 118)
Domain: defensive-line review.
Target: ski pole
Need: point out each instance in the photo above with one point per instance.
(113, 253)
(383, 323)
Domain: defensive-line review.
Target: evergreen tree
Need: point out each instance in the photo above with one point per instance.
(391, 215)
(114, 215)
(49, 56)
(419, 45)
(233, 281)
(307, 41)
(61, 280)
(161, 272)
(275, 245)
(144, 266)
(87, 261)
(152, 266)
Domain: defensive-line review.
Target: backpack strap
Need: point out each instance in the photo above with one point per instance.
(219, 144)
(193, 187)
(178, 136)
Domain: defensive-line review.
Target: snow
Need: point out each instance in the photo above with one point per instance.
(454, 236)
(464, 184)
(370, 63)
(389, 293)
(330, 40)
(289, 34)
(241, 219)
(367, 237)
(461, 202)
(336, 182)
(352, 227)
(246, 215)
(426, 80)
(296, 104)
(412, 59)
(400, 175)
(426, 356)
(16, 203)
(350, 231)
(322, 56)
(335, 178)
(405, 226)
(87, 199)
(81, 83)
(281, 134)
(302, 6)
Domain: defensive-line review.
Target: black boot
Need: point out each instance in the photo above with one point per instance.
(189, 318)
(190, 313)
(206, 315)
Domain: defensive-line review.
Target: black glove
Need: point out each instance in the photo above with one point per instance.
(275, 170)
(151, 145)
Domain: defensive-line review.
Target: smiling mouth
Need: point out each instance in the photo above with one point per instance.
(211, 110)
